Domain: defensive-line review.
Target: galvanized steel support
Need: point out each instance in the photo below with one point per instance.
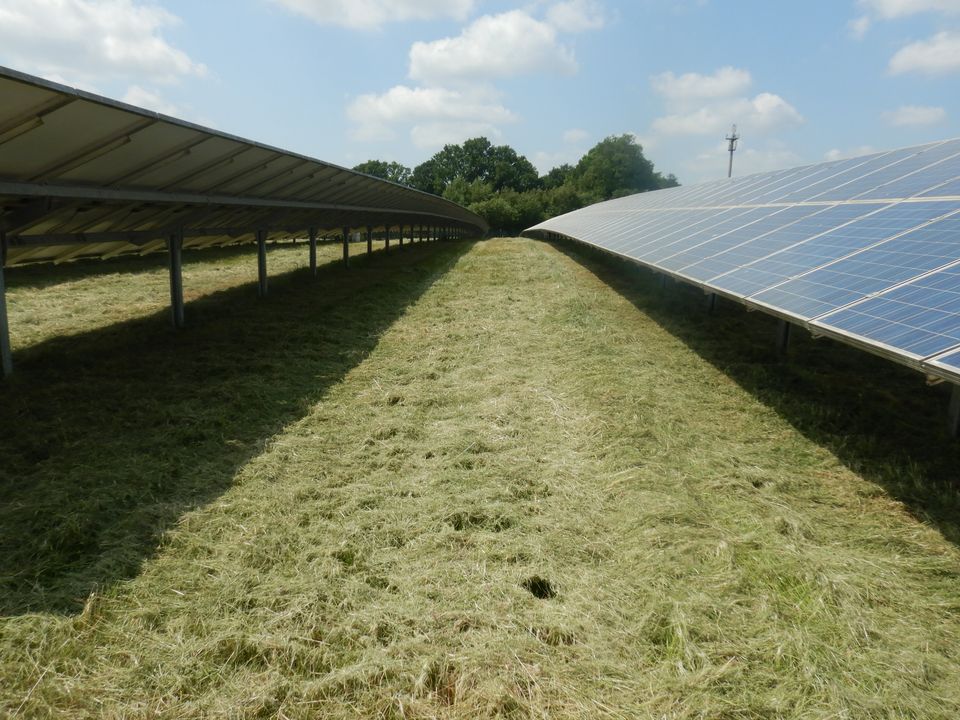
(386, 237)
(369, 240)
(262, 263)
(175, 262)
(783, 337)
(711, 302)
(955, 412)
(400, 235)
(6, 356)
(413, 236)
(346, 247)
(313, 251)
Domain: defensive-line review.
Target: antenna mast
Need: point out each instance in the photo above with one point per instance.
(732, 139)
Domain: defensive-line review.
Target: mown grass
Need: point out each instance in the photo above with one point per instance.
(500, 479)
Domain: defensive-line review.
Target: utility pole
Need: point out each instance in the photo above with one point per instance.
(732, 139)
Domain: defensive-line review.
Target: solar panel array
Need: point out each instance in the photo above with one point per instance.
(865, 250)
(85, 176)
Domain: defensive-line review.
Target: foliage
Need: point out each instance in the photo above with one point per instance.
(392, 171)
(502, 186)
(615, 167)
(476, 160)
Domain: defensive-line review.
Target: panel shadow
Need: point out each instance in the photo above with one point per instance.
(110, 436)
(879, 418)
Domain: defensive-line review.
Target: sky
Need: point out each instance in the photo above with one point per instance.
(351, 80)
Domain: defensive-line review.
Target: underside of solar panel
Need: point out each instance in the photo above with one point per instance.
(865, 250)
(86, 176)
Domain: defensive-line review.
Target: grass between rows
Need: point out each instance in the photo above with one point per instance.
(465, 480)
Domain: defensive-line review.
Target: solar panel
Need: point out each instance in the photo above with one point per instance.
(868, 271)
(865, 249)
(85, 176)
(920, 318)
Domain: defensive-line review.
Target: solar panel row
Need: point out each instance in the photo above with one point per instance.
(866, 250)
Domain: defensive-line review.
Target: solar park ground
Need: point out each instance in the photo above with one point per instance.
(461, 480)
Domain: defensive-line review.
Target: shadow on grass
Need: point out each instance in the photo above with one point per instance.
(879, 418)
(110, 436)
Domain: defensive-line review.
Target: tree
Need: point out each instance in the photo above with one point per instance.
(476, 159)
(498, 212)
(614, 165)
(466, 193)
(557, 177)
(392, 171)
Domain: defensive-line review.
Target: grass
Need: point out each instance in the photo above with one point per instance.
(465, 480)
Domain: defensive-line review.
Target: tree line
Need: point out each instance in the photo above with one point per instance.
(505, 188)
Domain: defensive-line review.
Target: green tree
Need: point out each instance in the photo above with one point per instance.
(476, 159)
(557, 177)
(615, 166)
(392, 171)
(498, 212)
(463, 192)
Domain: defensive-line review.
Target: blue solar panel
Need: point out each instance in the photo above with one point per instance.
(866, 249)
(752, 272)
(949, 361)
(949, 189)
(680, 224)
(913, 175)
(919, 319)
(730, 251)
(857, 170)
(840, 283)
(693, 247)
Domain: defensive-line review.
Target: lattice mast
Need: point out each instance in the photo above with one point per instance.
(732, 140)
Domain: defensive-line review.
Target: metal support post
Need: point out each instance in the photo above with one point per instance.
(386, 237)
(313, 251)
(413, 236)
(955, 412)
(346, 247)
(6, 355)
(711, 302)
(400, 235)
(262, 263)
(175, 257)
(369, 240)
(783, 337)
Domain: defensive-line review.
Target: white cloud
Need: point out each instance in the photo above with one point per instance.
(434, 135)
(371, 14)
(692, 87)
(493, 46)
(575, 136)
(939, 54)
(915, 115)
(838, 154)
(764, 113)
(576, 16)
(859, 26)
(434, 116)
(81, 41)
(892, 9)
(141, 97)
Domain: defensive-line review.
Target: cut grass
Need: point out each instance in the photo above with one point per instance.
(472, 481)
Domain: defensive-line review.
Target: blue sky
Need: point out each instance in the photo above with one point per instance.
(350, 80)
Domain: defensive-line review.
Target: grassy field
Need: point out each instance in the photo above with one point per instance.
(502, 479)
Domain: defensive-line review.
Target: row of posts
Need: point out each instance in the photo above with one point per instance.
(175, 259)
(175, 246)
